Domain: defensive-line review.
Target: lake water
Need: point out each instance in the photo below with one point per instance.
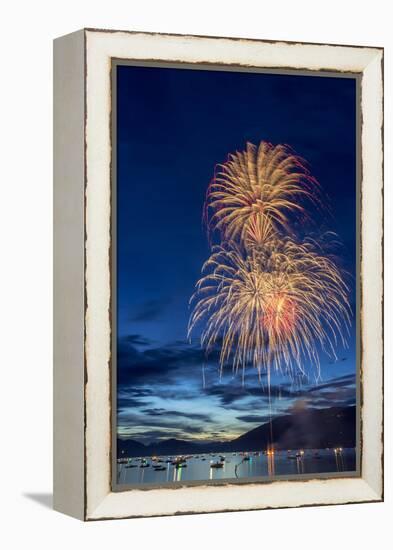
(238, 465)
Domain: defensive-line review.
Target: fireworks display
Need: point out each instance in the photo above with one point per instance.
(257, 191)
(266, 298)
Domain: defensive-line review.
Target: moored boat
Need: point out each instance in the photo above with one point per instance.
(217, 465)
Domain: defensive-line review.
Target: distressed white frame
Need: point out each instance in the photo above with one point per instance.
(99, 501)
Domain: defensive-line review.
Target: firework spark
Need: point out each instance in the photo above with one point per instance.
(272, 307)
(257, 192)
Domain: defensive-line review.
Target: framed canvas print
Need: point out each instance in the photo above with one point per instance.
(218, 274)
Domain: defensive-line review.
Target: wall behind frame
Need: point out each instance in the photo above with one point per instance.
(68, 292)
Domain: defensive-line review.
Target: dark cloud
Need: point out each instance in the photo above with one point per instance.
(139, 392)
(229, 393)
(157, 365)
(124, 403)
(341, 381)
(152, 435)
(254, 418)
(149, 311)
(129, 397)
(165, 412)
(218, 433)
(137, 340)
(137, 419)
(148, 377)
(339, 391)
(325, 403)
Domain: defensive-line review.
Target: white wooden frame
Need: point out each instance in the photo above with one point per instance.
(82, 337)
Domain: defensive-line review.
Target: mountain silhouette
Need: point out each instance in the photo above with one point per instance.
(304, 428)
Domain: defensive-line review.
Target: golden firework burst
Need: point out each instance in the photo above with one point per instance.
(265, 299)
(272, 307)
(257, 192)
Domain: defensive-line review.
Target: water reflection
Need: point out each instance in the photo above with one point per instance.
(300, 465)
(268, 463)
(177, 473)
(340, 459)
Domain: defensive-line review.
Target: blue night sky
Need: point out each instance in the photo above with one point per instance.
(173, 127)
